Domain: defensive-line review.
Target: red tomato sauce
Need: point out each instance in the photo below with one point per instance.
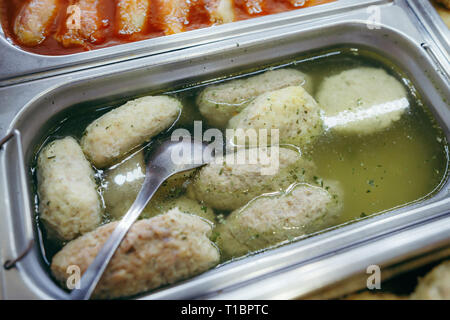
(198, 17)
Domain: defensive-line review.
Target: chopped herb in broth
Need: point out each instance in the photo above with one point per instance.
(354, 175)
(398, 166)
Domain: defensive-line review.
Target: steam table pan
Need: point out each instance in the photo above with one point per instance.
(396, 240)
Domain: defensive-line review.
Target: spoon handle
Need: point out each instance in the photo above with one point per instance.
(95, 270)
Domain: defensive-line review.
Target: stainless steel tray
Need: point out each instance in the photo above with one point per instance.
(17, 65)
(432, 22)
(297, 269)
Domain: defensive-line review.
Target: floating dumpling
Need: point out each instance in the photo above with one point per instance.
(219, 103)
(227, 185)
(291, 111)
(361, 101)
(274, 218)
(116, 133)
(155, 252)
(69, 204)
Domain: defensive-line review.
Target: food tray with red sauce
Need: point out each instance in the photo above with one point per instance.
(42, 38)
(58, 27)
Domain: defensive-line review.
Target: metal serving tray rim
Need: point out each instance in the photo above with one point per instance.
(432, 20)
(444, 203)
(307, 277)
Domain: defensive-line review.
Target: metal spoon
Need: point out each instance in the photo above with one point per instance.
(163, 162)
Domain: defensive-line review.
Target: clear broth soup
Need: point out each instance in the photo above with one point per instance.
(403, 164)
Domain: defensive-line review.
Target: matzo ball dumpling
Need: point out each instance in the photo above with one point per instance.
(271, 219)
(224, 185)
(155, 252)
(292, 111)
(116, 133)
(69, 204)
(361, 100)
(218, 103)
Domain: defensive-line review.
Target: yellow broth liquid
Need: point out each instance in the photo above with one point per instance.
(382, 171)
(404, 163)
